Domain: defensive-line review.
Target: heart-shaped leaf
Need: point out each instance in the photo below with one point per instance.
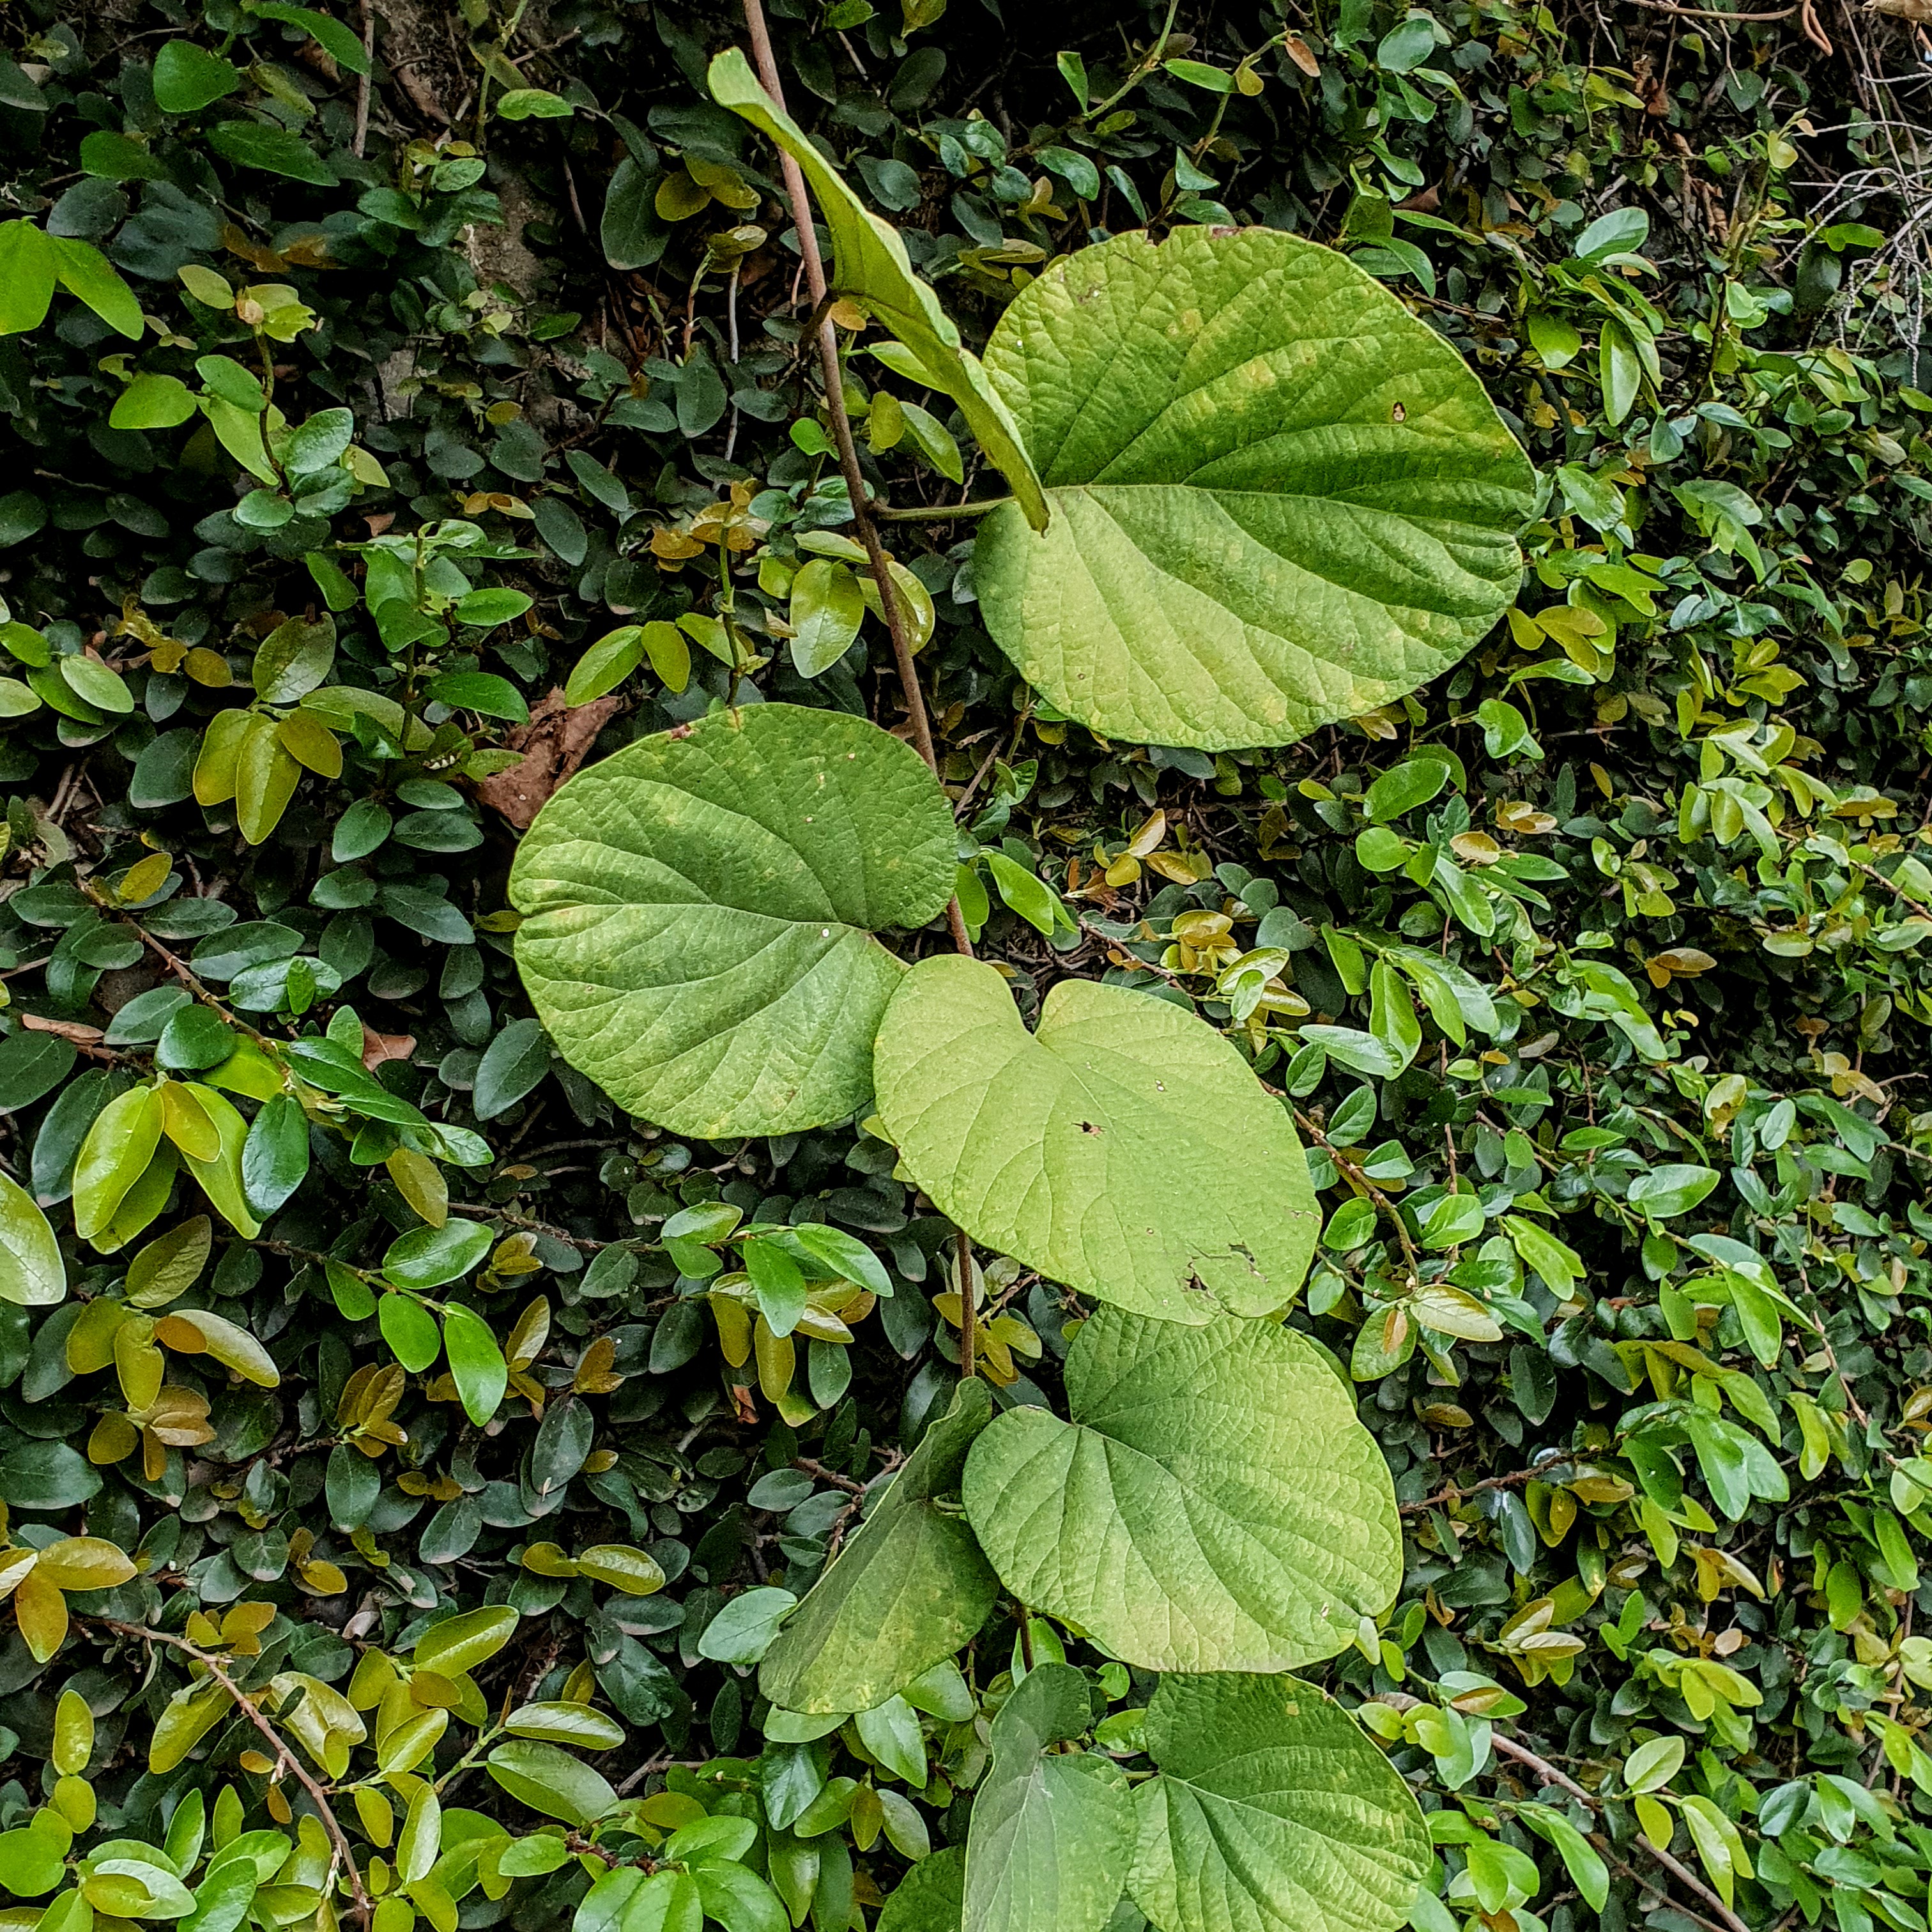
(1053, 1835)
(1125, 1148)
(1213, 1505)
(871, 264)
(701, 908)
(1278, 499)
(907, 1591)
(1272, 1813)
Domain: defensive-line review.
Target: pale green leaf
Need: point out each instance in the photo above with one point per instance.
(1125, 1148)
(26, 276)
(32, 1274)
(1242, 549)
(1214, 1504)
(549, 1779)
(564, 1723)
(84, 271)
(1272, 1812)
(701, 909)
(826, 609)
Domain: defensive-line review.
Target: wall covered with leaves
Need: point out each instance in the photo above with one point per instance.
(991, 1002)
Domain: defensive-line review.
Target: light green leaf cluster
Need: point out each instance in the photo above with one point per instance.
(1277, 500)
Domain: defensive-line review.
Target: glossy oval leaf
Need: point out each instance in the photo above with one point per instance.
(1125, 1148)
(701, 911)
(476, 1364)
(908, 1588)
(566, 1723)
(1272, 1812)
(1214, 1504)
(457, 1644)
(871, 264)
(1278, 499)
(548, 1779)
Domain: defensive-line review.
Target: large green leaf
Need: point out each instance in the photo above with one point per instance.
(906, 1591)
(32, 1274)
(1278, 498)
(870, 265)
(701, 908)
(1214, 1504)
(1053, 1835)
(1125, 1148)
(1272, 1812)
(927, 1899)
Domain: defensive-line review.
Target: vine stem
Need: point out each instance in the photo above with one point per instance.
(1509, 1748)
(337, 1838)
(362, 85)
(1353, 1170)
(179, 967)
(969, 1314)
(890, 606)
(937, 513)
(1456, 1492)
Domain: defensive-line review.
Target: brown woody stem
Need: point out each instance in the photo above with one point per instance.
(246, 1705)
(1508, 1748)
(890, 606)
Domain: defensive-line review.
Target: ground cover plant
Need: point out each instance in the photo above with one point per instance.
(992, 1000)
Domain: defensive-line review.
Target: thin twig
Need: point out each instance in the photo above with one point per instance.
(557, 1234)
(1353, 1171)
(363, 83)
(969, 1314)
(890, 606)
(1455, 1491)
(938, 513)
(246, 1705)
(1713, 13)
(812, 1466)
(1548, 1772)
(179, 967)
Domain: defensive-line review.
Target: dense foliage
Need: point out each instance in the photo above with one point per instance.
(402, 1461)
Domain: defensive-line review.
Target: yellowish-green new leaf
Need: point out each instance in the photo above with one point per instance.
(1214, 1504)
(701, 911)
(872, 266)
(1125, 1148)
(564, 1723)
(32, 1274)
(114, 1154)
(220, 1177)
(196, 1331)
(186, 1719)
(84, 1563)
(458, 1644)
(73, 1734)
(1278, 499)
